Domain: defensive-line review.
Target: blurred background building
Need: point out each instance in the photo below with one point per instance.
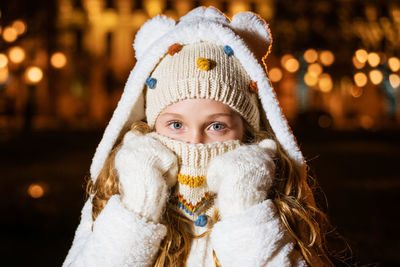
(64, 63)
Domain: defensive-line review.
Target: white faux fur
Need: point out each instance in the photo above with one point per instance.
(255, 237)
(201, 24)
(119, 238)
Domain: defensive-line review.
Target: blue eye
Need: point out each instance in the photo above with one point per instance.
(176, 125)
(217, 127)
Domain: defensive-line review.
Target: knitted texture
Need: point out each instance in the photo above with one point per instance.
(146, 170)
(242, 178)
(191, 193)
(202, 70)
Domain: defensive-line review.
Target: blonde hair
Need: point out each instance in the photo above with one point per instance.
(291, 193)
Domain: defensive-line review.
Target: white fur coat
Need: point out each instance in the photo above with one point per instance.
(119, 237)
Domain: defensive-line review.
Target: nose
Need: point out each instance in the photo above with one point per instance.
(195, 137)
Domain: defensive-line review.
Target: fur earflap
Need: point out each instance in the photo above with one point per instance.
(254, 31)
(152, 30)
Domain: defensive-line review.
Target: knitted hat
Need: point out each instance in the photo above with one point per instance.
(191, 195)
(201, 70)
(246, 34)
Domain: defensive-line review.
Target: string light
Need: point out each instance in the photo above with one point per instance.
(325, 83)
(3, 75)
(310, 79)
(19, 26)
(357, 63)
(315, 69)
(36, 191)
(356, 92)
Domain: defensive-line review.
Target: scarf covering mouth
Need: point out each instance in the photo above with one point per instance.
(191, 195)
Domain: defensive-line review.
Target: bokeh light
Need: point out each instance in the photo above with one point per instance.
(275, 74)
(310, 79)
(19, 26)
(357, 63)
(325, 82)
(33, 75)
(394, 64)
(3, 60)
(373, 59)
(58, 60)
(292, 65)
(327, 58)
(360, 79)
(315, 69)
(10, 34)
(310, 56)
(361, 55)
(375, 76)
(36, 190)
(3, 75)
(356, 92)
(394, 80)
(366, 121)
(16, 54)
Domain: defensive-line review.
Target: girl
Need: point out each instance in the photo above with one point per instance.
(214, 177)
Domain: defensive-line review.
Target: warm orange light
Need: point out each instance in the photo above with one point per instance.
(16, 54)
(375, 76)
(275, 74)
(238, 6)
(373, 59)
(366, 121)
(356, 92)
(310, 79)
(361, 55)
(327, 58)
(357, 63)
(310, 55)
(3, 60)
(3, 75)
(36, 190)
(292, 65)
(19, 26)
(394, 64)
(33, 75)
(10, 34)
(58, 60)
(394, 80)
(315, 69)
(325, 83)
(153, 7)
(360, 79)
(285, 58)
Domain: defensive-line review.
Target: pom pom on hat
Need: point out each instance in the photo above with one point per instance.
(151, 82)
(203, 63)
(175, 48)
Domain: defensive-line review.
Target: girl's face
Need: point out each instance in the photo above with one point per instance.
(200, 121)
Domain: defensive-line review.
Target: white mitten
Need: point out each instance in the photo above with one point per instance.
(242, 177)
(146, 170)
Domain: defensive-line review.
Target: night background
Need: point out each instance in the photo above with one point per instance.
(63, 65)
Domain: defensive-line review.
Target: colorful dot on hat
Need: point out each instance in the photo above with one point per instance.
(253, 87)
(228, 50)
(201, 220)
(151, 82)
(175, 48)
(203, 63)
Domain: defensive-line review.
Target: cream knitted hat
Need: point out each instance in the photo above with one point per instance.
(201, 70)
(191, 196)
